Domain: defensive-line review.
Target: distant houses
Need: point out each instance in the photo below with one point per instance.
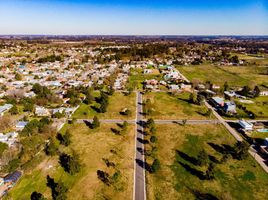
(5, 108)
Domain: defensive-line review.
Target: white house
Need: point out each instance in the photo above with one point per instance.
(20, 125)
(5, 108)
(41, 111)
(246, 125)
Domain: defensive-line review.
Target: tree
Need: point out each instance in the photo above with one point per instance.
(225, 86)
(256, 91)
(200, 99)
(59, 190)
(95, 122)
(14, 110)
(155, 165)
(245, 91)
(209, 112)
(65, 139)
(193, 98)
(70, 164)
(103, 176)
(18, 77)
(209, 174)
(124, 126)
(51, 148)
(37, 196)
(184, 121)
(3, 147)
(241, 150)
(202, 158)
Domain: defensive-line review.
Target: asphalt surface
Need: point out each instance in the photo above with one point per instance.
(139, 173)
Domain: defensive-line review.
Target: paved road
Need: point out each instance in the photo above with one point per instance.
(139, 165)
(224, 123)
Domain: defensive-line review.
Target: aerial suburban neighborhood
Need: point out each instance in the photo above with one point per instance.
(152, 119)
(133, 100)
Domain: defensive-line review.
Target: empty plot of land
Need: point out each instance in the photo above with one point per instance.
(95, 148)
(235, 76)
(166, 106)
(180, 177)
(117, 102)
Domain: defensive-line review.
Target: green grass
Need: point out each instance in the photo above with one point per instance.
(137, 78)
(259, 107)
(117, 102)
(166, 106)
(92, 146)
(233, 179)
(235, 76)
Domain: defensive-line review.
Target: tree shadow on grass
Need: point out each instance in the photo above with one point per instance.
(213, 159)
(202, 196)
(115, 131)
(199, 174)
(188, 158)
(95, 108)
(223, 149)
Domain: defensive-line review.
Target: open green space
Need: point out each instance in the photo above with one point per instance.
(137, 77)
(259, 107)
(93, 147)
(117, 102)
(177, 148)
(166, 106)
(234, 75)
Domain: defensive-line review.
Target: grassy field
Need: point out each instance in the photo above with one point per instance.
(259, 107)
(137, 77)
(235, 76)
(177, 149)
(117, 102)
(93, 146)
(174, 107)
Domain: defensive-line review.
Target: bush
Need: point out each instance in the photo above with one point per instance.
(155, 166)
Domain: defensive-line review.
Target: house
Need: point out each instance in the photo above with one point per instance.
(20, 125)
(174, 87)
(218, 101)
(187, 87)
(5, 108)
(229, 107)
(9, 138)
(41, 111)
(264, 93)
(13, 177)
(246, 125)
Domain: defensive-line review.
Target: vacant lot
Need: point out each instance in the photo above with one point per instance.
(259, 107)
(137, 77)
(93, 146)
(117, 102)
(166, 106)
(178, 177)
(235, 76)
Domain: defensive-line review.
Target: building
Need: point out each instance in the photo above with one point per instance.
(229, 107)
(9, 138)
(264, 93)
(41, 111)
(246, 125)
(218, 101)
(20, 125)
(5, 108)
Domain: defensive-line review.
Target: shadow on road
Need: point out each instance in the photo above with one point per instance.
(144, 165)
(143, 141)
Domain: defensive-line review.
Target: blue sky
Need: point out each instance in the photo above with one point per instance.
(136, 17)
